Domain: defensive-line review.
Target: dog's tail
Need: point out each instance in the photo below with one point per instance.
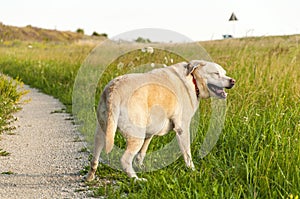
(113, 106)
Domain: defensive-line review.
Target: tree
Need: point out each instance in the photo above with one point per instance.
(99, 35)
(80, 31)
(142, 40)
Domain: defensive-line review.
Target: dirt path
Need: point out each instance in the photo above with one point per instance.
(45, 157)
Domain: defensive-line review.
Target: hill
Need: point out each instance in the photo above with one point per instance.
(30, 33)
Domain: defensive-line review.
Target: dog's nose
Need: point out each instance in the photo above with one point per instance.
(232, 81)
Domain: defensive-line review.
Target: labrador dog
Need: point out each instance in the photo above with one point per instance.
(146, 104)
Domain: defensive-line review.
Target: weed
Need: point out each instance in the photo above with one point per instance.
(7, 173)
(77, 139)
(83, 150)
(63, 110)
(4, 153)
(10, 102)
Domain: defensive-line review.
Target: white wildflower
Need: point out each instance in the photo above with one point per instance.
(166, 60)
(148, 50)
(120, 65)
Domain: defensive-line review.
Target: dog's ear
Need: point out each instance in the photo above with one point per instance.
(190, 68)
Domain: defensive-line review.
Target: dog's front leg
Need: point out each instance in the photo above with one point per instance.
(183, 139)
(177, 121)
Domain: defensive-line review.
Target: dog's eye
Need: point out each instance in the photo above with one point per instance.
(217, 74)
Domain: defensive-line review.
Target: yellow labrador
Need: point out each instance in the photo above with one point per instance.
(153, 103)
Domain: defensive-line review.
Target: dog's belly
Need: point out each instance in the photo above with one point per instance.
(158, 123)
(151, 105)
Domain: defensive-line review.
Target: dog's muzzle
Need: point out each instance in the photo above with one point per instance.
(220, 92)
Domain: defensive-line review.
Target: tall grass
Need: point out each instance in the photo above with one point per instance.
(257, 155)
(50, 67)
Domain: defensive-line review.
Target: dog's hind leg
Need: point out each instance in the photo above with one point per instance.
(133, 147)
(142, 153)
(99, 144)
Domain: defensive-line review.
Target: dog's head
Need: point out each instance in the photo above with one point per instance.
(211, 79)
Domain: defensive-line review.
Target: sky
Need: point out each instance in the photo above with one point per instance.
(198, 20)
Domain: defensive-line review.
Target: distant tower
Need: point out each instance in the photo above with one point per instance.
(233, 18)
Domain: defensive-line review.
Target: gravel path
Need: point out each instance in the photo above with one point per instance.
(45, 157)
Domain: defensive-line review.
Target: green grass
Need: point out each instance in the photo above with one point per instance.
(256, 156)
(7, 173)
(3, 153)
(50, 67)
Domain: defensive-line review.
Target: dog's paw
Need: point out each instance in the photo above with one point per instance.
(136, 179)
(191, 166)
(89, 177)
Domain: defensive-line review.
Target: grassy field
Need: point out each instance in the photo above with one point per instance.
(256, 156)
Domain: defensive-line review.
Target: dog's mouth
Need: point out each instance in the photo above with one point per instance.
(218, 91)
